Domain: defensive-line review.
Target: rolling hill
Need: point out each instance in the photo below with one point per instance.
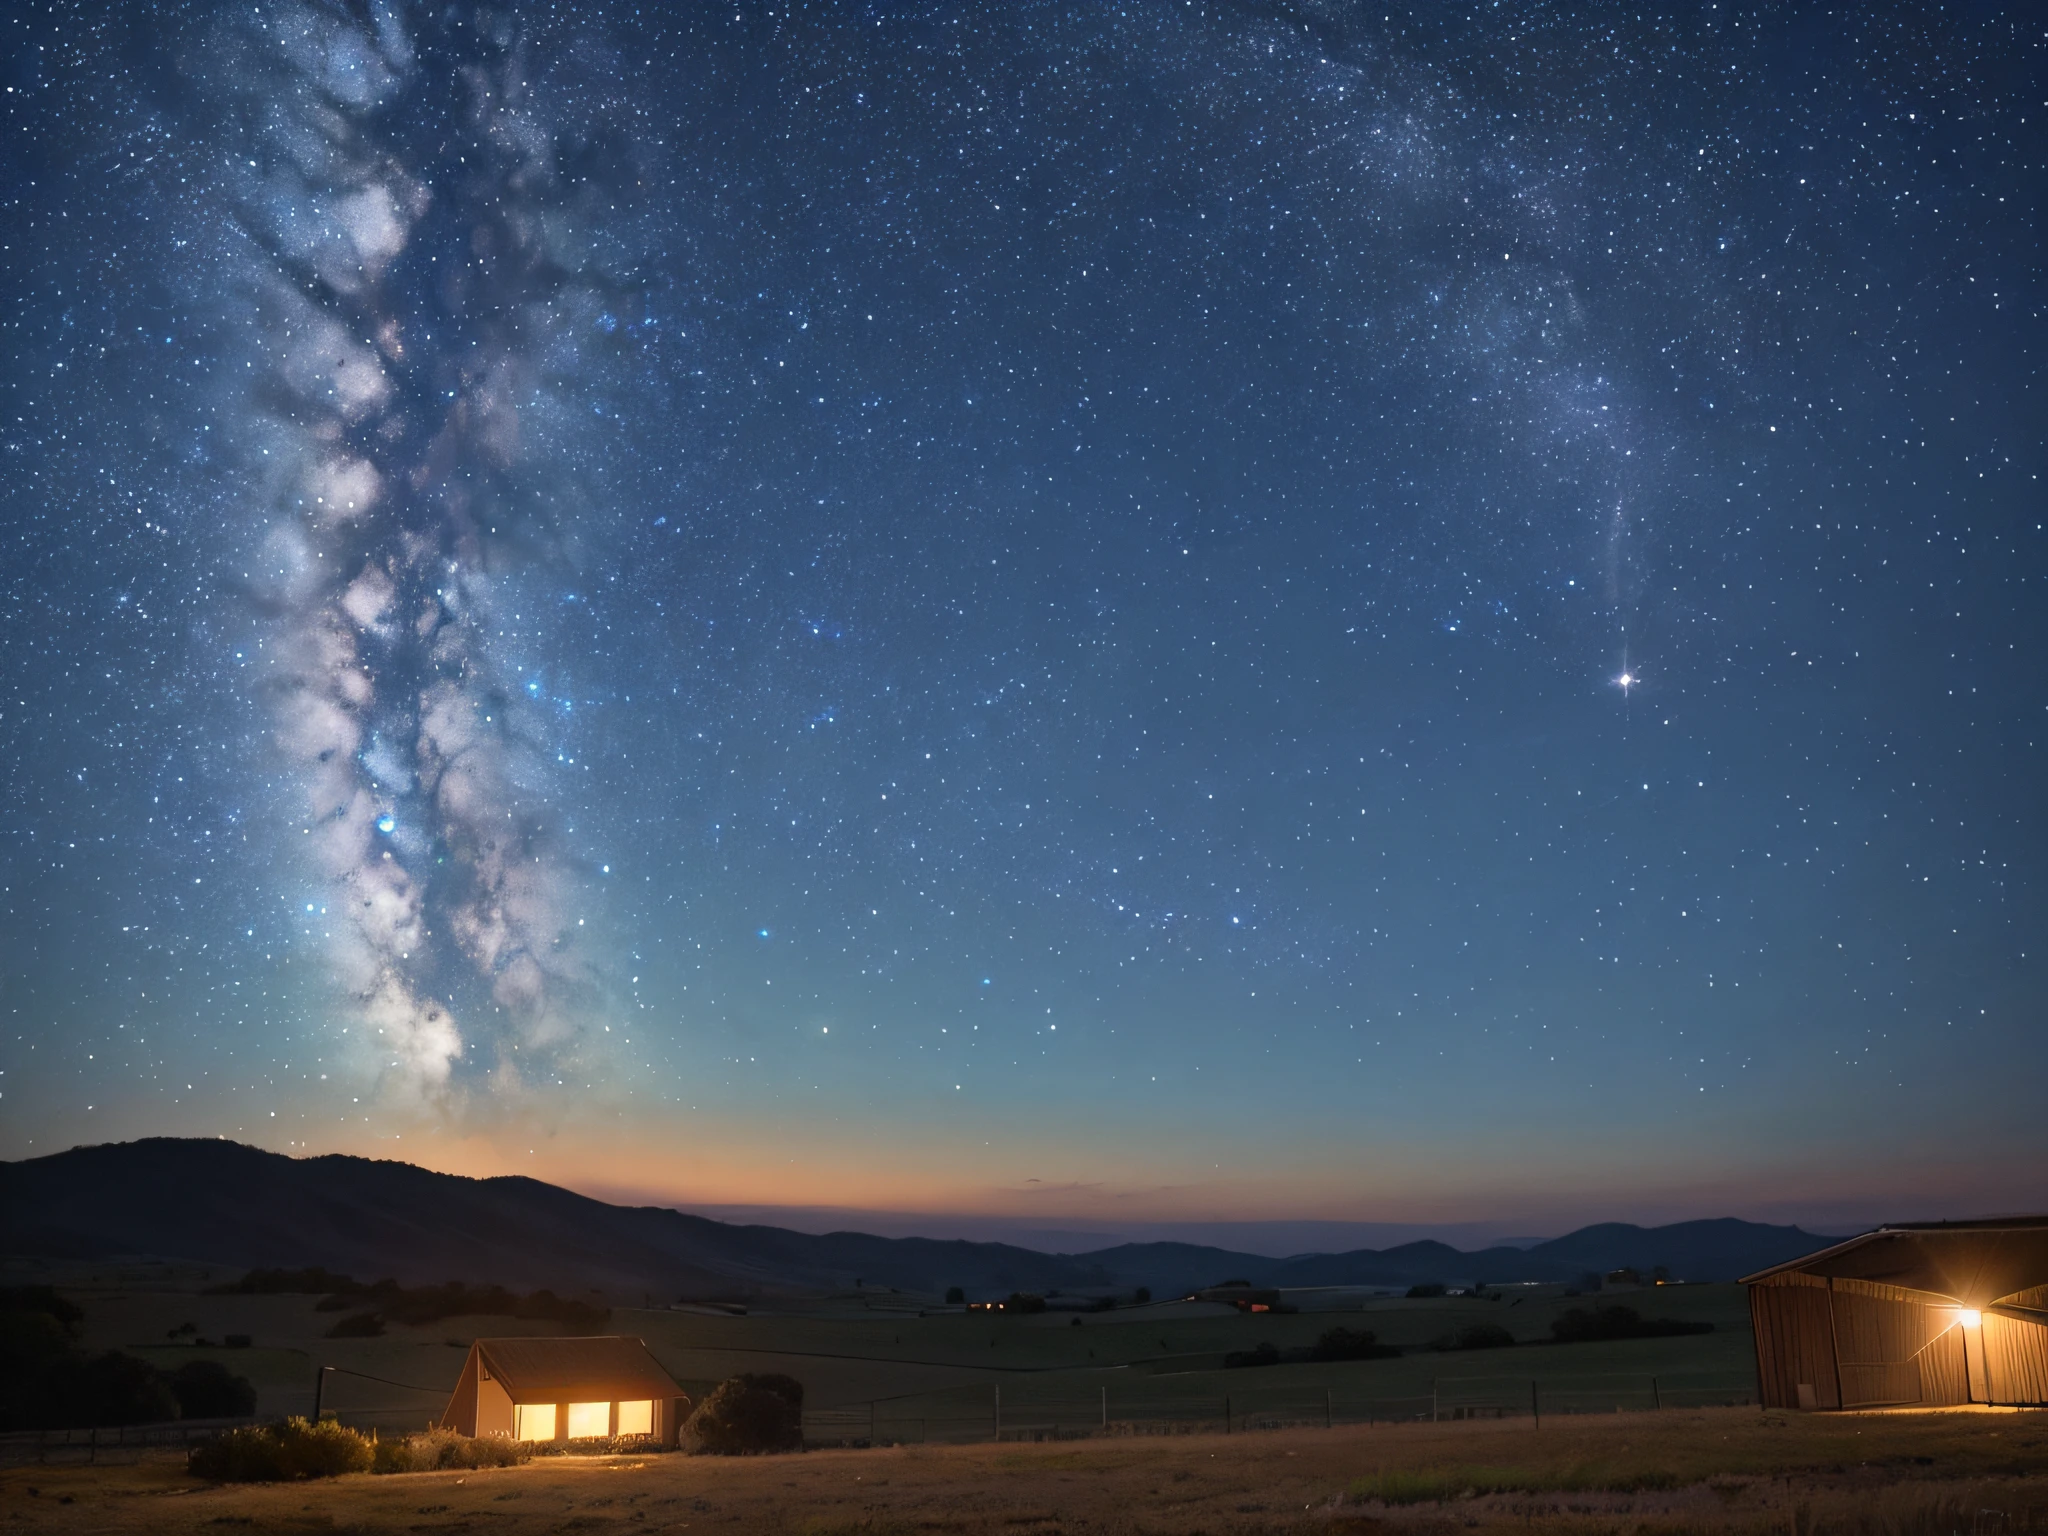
(219, 1202)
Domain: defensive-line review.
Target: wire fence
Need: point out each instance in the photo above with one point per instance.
(1022, 1416)
(111, 1444)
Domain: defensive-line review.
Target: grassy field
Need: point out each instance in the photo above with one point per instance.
(1702, 1472)
(873, 1367)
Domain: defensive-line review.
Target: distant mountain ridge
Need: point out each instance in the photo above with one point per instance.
(223, 1203)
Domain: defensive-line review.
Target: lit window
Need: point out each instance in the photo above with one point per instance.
(589, 1421)
(533, 1421)
(636, 1418)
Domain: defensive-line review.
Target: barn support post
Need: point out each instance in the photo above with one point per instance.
(319, 1383)
(1984, 1346)
(1835, 1346)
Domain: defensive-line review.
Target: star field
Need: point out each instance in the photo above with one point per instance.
(1280, 608)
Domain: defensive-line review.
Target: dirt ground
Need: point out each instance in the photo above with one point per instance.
(1700, 1471)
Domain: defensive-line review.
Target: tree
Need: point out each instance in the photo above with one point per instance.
(955, 1296)
(206, 1389)
(748, 1415)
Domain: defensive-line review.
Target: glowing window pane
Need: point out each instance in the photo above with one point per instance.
(589, 1420)
(533, 1421)
(636, 1418)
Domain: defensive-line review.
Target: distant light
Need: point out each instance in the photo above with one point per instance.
(761, 933)
(1969, 1317)
(387, 824)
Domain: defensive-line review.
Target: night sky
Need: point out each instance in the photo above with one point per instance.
(1104, 611)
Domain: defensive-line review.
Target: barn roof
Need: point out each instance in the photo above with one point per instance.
(608, 1369)
(1974, 1263)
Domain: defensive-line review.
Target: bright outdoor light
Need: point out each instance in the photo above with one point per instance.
(1969, 1317)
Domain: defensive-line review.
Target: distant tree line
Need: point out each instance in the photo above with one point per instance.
(385, 1301)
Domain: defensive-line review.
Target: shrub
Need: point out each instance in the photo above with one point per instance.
(1583, 1326)
(1428, 1288)
(43, 1299)
(955, 1296)
(1481, 1336)
(441, 1450)
(1261, 1353)
(1351, 1344)
(286, 1282)
(1142, 1295)
(206, 1389)
(281, 1453)
(114, 1388)
(357, 1325)
(747, 1415)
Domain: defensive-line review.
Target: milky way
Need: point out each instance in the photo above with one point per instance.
(420, 267)
(1186, 603)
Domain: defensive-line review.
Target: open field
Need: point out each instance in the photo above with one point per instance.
(874, 1368)
(1688, 1471)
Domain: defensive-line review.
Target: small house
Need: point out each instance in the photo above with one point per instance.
(1929, 1313)
(565, 1389)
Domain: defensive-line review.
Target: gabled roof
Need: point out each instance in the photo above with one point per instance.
(608, 1369)
(1973, 1263)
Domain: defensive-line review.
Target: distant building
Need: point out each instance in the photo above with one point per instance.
(1246, 1298)
(1924, 1312)
(565, 1389)
(1621, 1280)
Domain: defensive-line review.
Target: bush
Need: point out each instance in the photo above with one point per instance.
(206, 1389)
(1024, 1301)
(1261, 1353)
(1581, 1326)
(41, 1299)
(1142, 1295)
(1351, 1344)
(1427, 1288)
(1475, 1336)
(955, 1296)
(357, 1325)
(281, 1453)
(115, 1389)
(286, 1282)
(442, 1450)
(748, 1415)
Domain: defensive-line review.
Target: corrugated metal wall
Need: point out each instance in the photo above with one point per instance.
(1856, 1344)
(1794, 1342)
(2015, 1360)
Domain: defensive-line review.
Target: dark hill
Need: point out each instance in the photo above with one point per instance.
(223, 1203)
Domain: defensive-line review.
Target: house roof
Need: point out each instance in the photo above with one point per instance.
(1973, 1263)
(608, 1369)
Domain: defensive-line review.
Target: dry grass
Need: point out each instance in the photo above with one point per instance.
(1696, 1473)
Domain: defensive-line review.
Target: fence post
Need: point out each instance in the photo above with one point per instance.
(1329, 1421)
(1226, 1413)
(1105, 1407)
(1432, 1399)
(872, 1439)
(1656, 1397)
(999, 1412)
(1535, 1405)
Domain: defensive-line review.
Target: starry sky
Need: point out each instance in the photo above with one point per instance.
(1159, 611)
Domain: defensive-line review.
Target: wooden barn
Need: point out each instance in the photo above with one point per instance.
(565, 1389)
(1921, 1313)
